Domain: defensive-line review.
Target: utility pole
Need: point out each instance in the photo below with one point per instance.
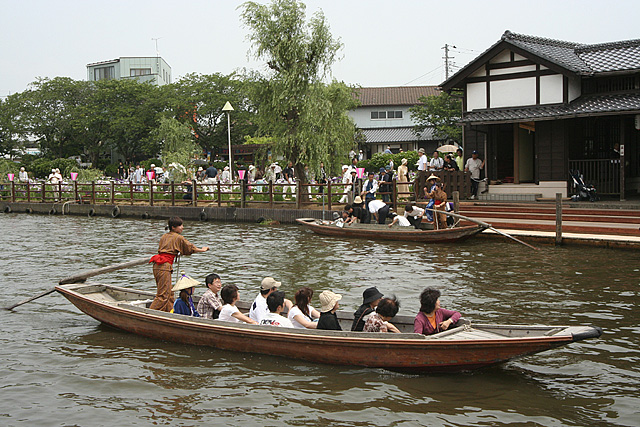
(446, 58)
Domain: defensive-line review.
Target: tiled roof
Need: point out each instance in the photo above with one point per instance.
(403, 95)
(399, 134)
(585, 59)
(583, 106)
(581, 58)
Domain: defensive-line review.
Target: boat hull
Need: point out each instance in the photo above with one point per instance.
(404, 234)
(416, 354)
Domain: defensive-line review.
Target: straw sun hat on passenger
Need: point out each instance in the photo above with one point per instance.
(328, 300)
(433, 177)
(185, 282)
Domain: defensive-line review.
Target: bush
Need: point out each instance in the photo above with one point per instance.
(111, 170)
(8, 166)
(41, 167)
(380, 160)
(146, 164)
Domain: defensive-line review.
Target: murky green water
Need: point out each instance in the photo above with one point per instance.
(60, 367)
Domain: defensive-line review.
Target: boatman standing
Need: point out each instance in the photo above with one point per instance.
(171, 244)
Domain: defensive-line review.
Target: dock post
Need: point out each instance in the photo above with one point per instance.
(456, 201)
(558, 219)
(243, 193)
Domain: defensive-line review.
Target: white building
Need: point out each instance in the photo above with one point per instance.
(144, 69)
(384, 118)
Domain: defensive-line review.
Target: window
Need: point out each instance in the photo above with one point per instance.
(383, 115)
(140, 72)
(103, 73)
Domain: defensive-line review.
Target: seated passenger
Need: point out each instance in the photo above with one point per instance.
(275, 302)
(229, 311)
(432, 319)
(328, 319)
(302, 315)
(370, 299)
(259, 307)
(210, 303)
(379, 321)
(184, 304)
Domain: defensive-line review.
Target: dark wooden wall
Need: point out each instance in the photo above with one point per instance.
(551, 150)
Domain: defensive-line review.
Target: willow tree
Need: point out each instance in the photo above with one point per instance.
(306, 117)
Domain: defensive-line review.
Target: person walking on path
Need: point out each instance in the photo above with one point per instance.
(171, 244)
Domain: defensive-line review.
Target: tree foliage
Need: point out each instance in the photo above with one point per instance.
(177, 143)
(441, 112)
(306, 117)
(197, 100)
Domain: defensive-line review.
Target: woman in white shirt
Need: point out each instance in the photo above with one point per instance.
(302, 315)
(229, 312)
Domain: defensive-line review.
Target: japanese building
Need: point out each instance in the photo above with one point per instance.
(537, 108)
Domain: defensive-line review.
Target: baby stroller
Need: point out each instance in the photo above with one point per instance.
(584, 192)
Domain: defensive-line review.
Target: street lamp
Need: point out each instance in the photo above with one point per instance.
(228, 108)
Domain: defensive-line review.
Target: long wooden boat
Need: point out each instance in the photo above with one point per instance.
(466, 347)
(384, 232)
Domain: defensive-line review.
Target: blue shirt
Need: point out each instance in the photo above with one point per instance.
(181, 307)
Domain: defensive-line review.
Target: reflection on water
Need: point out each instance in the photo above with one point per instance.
(61, 365)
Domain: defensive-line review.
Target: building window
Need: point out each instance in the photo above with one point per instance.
(384, 115)
(103, 73)
(135, 72)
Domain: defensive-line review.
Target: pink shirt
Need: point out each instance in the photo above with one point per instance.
(422, 326)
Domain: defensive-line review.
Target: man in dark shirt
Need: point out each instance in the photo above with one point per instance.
(449, 164)
(211, 172)
(288, 171)
(386, 177)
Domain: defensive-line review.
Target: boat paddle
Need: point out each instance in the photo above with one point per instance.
(81, 277)
(483, 224)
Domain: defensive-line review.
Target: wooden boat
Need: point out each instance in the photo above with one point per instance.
(466, 347)
(384, 232)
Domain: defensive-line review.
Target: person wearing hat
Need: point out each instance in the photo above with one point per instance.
(329, 304)
(437, 200)
(184, 304)
(421, 176)
(474, 165)
(346, 180)
(259, 307)
(229, 311)
(386, 177)
(360, 211)
(171, 244)
(370, 299)
(270, 173)
(369, 189)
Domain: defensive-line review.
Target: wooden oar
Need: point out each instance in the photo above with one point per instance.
(81, 277)
(483, 224)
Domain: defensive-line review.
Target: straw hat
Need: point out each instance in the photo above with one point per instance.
(433, 177)
(185, 282)
(421, 150)
(328, 300)
(404, 161)
(357, 200)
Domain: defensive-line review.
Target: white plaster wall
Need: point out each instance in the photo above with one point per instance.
(551, 89)
(523, 69)
(575, 88)
(476, 96)
(518, 57)
(362, 117)
(513, 93)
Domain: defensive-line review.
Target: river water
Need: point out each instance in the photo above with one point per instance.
(61, 367)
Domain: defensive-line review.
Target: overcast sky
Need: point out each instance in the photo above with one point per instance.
(386, 42)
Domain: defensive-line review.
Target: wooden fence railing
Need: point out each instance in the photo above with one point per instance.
(603, 174)
(201, 194)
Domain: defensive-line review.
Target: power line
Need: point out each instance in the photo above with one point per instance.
(424, 75)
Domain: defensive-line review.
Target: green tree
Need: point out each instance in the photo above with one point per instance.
(177, 145)
(197, 100)
(441, 112)
(8, 116)
(122, 115)
(48, 113)
(307, 118)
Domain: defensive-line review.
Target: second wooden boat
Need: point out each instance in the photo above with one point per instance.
(384, 232)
